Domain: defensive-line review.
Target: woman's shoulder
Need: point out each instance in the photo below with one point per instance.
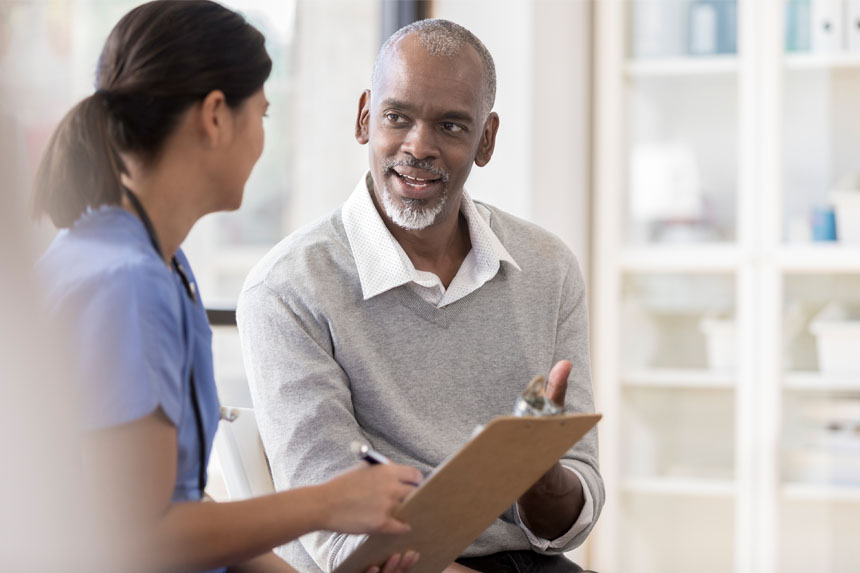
(105, 248)
(103, 281)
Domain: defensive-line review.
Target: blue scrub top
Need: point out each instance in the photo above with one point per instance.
(134, 332)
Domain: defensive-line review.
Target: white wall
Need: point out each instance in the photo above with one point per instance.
(504, 26)
(336, 45)
(561, 122)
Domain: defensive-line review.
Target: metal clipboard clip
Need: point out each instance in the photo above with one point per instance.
(534, 401)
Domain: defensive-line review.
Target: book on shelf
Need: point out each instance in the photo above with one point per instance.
(828, 25)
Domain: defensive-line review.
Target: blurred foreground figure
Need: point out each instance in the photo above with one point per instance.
(46, 521)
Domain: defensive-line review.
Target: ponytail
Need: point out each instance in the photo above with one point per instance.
(80, 168)
(160, 58)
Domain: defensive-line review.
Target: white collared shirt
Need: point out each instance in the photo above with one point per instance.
(383, 265)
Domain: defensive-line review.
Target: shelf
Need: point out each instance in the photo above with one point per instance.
(818, 382)
(821, 258)
(680, 486)
(822, 62)
(680, 378)
(758, 421)
(798, 491)
(681, 66)
(682, 259)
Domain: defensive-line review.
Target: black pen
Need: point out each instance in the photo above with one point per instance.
(368, 454)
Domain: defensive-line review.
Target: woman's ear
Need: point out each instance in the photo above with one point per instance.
(488, 140)
(215, 119)
(362, 120)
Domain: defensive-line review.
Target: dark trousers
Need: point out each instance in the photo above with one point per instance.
(520, 562)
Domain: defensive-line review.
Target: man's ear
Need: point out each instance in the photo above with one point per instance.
(488, 140)
(362, 121)
(215, 118)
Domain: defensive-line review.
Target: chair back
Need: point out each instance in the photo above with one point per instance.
(243, 461)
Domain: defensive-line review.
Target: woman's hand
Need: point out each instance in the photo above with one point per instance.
(396, 564)
(362, 500)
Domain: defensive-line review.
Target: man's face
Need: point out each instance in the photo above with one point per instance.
(425, 128)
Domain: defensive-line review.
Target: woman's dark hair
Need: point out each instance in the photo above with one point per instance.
(161, 58)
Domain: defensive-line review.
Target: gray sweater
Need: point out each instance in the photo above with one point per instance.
(327, 367)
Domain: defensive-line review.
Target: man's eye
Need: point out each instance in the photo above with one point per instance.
(452, 127)
(393, 117)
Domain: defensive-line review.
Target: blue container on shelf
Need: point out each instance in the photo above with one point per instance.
(712, 27)
(798, 26)
(823, 224)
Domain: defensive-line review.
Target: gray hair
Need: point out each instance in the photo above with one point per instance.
(443, 38)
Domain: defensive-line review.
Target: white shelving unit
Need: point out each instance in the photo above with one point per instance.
(821, 61)
(817, 259)
(814, 381)
(681, 487)
(833, 493)
(702, 463)
(668, 67)
(679, 378)
(703, 259)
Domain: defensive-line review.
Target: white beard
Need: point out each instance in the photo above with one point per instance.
(411, 215)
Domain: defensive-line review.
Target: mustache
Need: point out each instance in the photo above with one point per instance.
(390, 164)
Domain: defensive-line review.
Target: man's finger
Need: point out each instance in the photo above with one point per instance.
(556, 386)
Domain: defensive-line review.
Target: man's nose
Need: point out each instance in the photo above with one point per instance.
(421, 142)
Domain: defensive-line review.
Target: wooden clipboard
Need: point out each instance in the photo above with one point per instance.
(463, 497)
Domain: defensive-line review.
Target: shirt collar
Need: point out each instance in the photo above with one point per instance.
(382, 263)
